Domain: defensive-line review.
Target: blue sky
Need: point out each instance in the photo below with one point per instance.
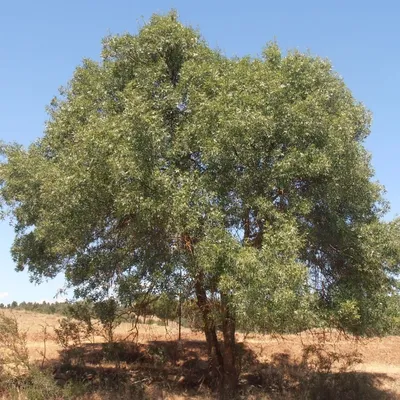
(43, 41)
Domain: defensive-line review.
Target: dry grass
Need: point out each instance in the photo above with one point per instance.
(272, 367)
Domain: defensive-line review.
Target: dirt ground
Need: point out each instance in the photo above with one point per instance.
(160, 363)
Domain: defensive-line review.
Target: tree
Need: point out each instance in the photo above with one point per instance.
(166, 307)
(107, 313)
(245, 176)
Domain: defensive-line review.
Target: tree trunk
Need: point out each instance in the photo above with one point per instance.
(215, 358)
(222, 364)
(230, 380)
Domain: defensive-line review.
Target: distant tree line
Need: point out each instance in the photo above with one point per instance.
(41, 307)
(163, 307)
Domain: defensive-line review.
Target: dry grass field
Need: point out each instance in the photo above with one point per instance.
(313, 365)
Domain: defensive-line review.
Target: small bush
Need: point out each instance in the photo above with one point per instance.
(107, 313)
(319, 358)
(14, 354)
(71, 333)
(41, 386)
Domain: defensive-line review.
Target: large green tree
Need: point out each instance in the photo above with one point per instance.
(246, 178)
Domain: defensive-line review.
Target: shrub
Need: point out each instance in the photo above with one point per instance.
(14, 354)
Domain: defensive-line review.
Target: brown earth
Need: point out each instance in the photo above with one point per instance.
(312, 365)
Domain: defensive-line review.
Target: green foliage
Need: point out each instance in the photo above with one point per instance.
(270, 287)
(82, 311)
(107, 313)
(246, 175)
(166, 307)
(191, 316)
(87, 319)
(71, 333)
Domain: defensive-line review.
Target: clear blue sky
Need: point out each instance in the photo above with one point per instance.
(43, 41)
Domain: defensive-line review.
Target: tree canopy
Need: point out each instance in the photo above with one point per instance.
(247, 177)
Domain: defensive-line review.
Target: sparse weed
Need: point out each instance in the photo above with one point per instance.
(14, 356)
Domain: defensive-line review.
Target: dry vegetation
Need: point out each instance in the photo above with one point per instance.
(308, 366)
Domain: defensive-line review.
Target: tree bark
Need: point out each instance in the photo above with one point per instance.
(230, 379)
(215, 358)
(222, 364)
